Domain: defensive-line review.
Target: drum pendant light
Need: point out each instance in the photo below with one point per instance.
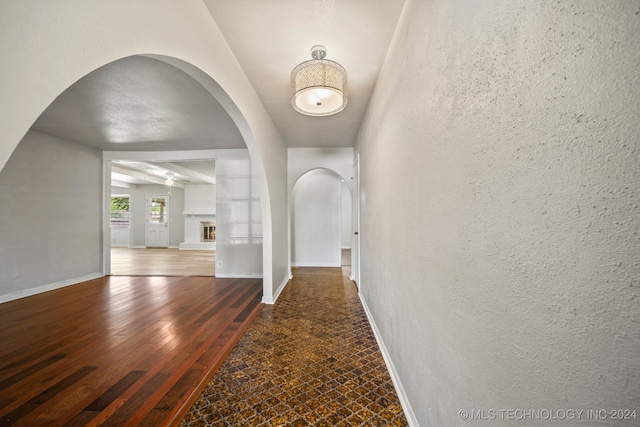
(319, 86)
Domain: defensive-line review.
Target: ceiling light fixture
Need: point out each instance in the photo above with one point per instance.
(319, 85)
(169, 181)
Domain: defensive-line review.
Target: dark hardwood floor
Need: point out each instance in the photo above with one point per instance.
(118, 350)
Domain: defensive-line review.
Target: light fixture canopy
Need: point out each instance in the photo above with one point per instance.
(319, 86)
(169, 181)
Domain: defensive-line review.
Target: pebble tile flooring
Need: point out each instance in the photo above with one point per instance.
(309, 360)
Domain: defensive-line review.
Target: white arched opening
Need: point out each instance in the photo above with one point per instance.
(320, 219)
(65, 50)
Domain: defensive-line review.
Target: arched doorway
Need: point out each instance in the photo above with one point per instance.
(84, 128)
(144, 114)
(43, 64)
(320, 219)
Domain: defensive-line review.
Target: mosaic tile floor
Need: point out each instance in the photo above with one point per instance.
(309, 360)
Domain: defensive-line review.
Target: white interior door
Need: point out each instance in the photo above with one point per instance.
(157, 221)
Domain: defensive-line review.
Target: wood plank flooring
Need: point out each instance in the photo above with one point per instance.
(118, 350)
(162, 262)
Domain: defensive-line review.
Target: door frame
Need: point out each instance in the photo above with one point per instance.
(355, 218)
(167, 156)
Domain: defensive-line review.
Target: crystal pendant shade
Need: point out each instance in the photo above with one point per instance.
(319, 86)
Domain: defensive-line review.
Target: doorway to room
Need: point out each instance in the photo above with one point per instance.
(160, 105)
(163, 217)
(321, 220)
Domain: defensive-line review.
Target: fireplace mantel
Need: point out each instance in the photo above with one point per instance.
(198, 212)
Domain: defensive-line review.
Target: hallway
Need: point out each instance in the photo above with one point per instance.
(310, 359)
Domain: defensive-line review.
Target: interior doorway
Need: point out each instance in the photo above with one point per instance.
(168, 205)
(320, 220)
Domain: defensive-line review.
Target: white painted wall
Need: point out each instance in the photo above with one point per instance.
(315, 220)
(138, 214)
(500, 173)
(200, 199)
(50, 221)
(238, 221)
(120, 236)
(62, 40)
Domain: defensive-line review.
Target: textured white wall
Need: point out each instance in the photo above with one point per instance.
(50, 221)
(315, 219)
(500, 192)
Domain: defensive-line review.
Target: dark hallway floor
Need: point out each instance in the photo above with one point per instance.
(309, 360)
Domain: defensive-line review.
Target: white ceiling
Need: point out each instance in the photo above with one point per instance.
(139, 104)
(142, 104)
(128, 173)
(270, 38)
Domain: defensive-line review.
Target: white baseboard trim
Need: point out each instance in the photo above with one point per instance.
(138, 247)
(272, 300)
(404, 401)
(314, 264)
(50, 287)
(239, 275)
(346, 247)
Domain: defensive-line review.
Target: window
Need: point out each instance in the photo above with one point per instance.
(120, 211)
(158, 210)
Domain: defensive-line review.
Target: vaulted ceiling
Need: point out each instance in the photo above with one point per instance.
(269, 38)
(142, 104)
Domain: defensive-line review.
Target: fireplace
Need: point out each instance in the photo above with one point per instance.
(207, 231)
